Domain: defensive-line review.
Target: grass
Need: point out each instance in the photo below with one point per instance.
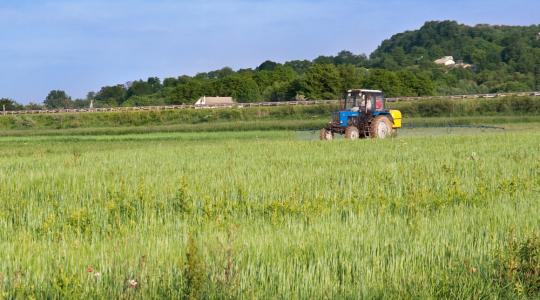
(270, 214)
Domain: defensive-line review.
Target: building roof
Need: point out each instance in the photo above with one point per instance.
(446, 60)
(364, 91)
(214, 100)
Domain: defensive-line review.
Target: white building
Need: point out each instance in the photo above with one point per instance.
(448, 61)
(445, 61)
(214, 101)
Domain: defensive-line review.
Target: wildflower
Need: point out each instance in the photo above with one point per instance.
(133, 283)
(90, 269)
(97, 275)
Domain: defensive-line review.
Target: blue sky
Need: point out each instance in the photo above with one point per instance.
(81, 45)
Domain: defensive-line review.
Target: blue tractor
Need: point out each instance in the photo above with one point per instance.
(363, 114)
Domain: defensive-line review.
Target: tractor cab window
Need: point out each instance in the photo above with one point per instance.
(351, 101)
(364, 102)
(375, 102)
(379, 102)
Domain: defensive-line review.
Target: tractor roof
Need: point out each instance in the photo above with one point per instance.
(364, 91)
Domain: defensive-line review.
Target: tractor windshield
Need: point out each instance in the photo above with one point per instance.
(352, 100)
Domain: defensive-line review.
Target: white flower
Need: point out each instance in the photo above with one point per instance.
(132, 283)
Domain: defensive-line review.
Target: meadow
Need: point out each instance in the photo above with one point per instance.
(271, 214)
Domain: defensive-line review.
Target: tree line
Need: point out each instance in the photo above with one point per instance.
(503, 59)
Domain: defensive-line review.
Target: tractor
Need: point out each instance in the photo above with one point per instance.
(362, 114)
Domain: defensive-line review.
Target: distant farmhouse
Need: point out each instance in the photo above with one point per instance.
(448, 61)
(214, 101)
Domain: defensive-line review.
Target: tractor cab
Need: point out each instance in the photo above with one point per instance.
(365, 101)
(363, 114)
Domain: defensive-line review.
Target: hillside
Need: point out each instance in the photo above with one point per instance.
(502, 59)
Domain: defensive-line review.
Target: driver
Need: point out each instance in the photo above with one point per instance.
(365, 105)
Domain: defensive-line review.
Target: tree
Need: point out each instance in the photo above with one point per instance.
(299, 66)
(33, 106)
(81, 103)
(399, 56)
(348, 58)
(412, 84)
(351, 76)
(9, 104)
(170, 82)
(242, 88)
(264, 79)
(278, 91)
(58, 99)
(322, 81)
(91, 96)
(189, 90)
(111, 95)
(219, 74)
(144, 101)
(387, 81)
(143, 88)
(280, 73)
(321, 60)
(267, 66)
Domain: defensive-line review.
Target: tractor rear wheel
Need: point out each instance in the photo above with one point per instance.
(381, 127)
(352, 133)
(326, 135)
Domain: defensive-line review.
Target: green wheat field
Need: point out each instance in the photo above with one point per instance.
(271, 214)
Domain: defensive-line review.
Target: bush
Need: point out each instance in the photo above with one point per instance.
(194, 271)
(518, 266)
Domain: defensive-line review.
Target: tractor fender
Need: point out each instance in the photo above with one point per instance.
(393, 115)
(384, 113)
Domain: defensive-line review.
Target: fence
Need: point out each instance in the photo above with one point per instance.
(252, 104)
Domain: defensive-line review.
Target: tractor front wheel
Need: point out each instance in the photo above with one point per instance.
(352, 133)
(381, 127)
(326, 135)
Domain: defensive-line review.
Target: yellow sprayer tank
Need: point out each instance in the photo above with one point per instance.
(396, 115)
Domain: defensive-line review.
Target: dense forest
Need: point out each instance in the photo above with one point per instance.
(499, 59)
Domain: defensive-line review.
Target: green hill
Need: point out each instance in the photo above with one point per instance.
(504, 58)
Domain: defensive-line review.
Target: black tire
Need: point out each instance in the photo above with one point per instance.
(352, 133)
(381, 128)
(326, 135)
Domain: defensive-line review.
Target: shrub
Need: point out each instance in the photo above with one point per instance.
(518, 266)
(194, 271)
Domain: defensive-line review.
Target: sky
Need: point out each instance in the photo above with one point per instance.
(81, 45)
